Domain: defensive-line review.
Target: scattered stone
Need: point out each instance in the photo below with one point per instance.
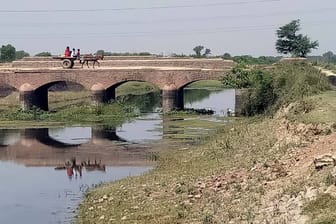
(124, 217)
(311, 193)
(91, 208)
(198, 196)
(201, 185)
(325, 160)
(333, 172)
(105, 197)
(331, 190)
(100, 200)
(186, 203)
(102, 217)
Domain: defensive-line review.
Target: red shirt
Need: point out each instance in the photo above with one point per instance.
(67, 53)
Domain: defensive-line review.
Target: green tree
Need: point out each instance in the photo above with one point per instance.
(207, 52)
(329, 57)
(198, 50)
(43, 54)
(101, 52)
(7, 53)
(21, 54)
(291, 42)
(227, 56)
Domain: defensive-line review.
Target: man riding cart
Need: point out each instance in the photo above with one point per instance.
(69, 57)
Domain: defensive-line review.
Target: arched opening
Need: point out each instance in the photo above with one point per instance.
(145, 96)
(8, 96)
(62, 94)
(209, 95)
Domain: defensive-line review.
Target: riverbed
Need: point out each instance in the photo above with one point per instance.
(45, 171)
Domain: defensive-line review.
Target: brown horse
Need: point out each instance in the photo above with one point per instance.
(89, 57)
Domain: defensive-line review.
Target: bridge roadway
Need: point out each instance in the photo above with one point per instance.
(33, 78)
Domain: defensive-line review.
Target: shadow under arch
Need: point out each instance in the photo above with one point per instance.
(111, 90)
(6, 89)
(41, 93)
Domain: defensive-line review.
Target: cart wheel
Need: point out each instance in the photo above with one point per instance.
(66, 63)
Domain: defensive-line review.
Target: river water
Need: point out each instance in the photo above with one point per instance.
(45, 171)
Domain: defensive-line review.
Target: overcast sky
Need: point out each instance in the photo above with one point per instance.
(162, 27)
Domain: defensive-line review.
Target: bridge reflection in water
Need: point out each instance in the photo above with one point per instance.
(92, 147)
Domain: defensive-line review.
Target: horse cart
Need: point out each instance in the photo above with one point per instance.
(67, 62)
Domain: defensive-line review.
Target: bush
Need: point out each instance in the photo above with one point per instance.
(43, 54)
(269, 90)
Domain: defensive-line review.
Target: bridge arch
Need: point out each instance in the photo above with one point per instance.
(186, 82)
(32, 96)
(107, 93)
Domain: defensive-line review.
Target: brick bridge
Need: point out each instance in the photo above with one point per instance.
(33, 76)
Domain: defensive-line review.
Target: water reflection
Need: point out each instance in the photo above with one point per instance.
(146, 128)
(44, 171)
(72, 137)
(9, 137)
(218, 101)
(47, 147)
(59, 165)
(41, 195)
(74, 169)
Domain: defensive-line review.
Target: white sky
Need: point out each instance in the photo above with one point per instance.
(162, 26)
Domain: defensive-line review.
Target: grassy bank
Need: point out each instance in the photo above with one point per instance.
(71, 107)
(254, 170)
(230, 177)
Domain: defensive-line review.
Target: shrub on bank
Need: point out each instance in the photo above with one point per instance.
(74, 113)
(281, 85)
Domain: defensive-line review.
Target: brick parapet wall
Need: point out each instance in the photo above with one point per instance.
(188, 63)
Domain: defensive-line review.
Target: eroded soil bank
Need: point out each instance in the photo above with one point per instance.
(251, 171)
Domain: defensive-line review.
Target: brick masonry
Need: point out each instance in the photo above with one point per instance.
(170, 75)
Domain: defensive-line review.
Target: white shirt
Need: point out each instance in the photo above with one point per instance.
(73, 53)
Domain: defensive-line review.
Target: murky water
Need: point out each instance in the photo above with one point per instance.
(218, 101)
(44, 172)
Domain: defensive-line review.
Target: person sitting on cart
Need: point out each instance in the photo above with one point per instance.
(67, 52)
(73, 53)
(78, 54)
